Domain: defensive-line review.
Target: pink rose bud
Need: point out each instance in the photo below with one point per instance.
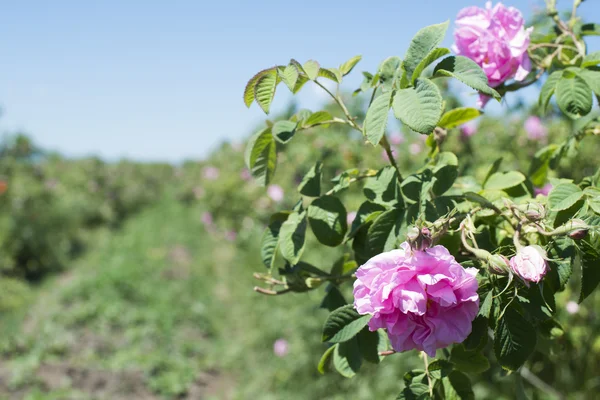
(543, 190)
(578, 234)
(210, 173)
(572, 307)
(281, 347)
(495, 38)
(350, 217)
(425, 299)
(535, 129)
(530, 263)
(275, 192)
(467, 130)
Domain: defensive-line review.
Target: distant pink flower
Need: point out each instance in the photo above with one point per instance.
(385, 157)
(350, 217)
(543, 190)
(275, 192)
(530, 264)
(199, 192)
(245, 174)
(535, 129)
(211, 173)
(467, 130)
(231, 236)
(424, 298)
(396, 139)
(572, 307)
(207, 219)
(496, 39)
(415, 148)
(281, 347)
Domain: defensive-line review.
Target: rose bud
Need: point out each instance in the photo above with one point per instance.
(530, 264)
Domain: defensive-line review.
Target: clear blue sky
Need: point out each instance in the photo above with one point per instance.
(163, 80)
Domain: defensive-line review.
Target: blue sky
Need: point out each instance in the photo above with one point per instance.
(163, 80)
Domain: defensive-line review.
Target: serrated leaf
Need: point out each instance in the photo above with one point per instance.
(264, 90)
(591, 78)
(333, 299)
(383, 188)
(283, 131)
(332, 74)
(271, 237)
(289, 76)
(377, 117)
(346, 358)
(312, 68)
(292, 237)
(549, 88)
(477, 339)
(328, 220)
(504, 180)
(458, 116)
(261, 156)
(469, 361)
(300, 83)
(563, 196)
(317, 118)
(431, 57)
(249, 90)
(419, 108)
(325, 359)
(538, 170)
(486, 306)
(343, 324)
(439, 369)
(347, 67)
(591, 59)
(423, 43)
(457, 386)
(384, 231)
(590, 271)
(466, 71)
(388, 70)
(416, 391)
(371, 344)
(311, 183)
(365, 210)
(573, 96)
(514, 340)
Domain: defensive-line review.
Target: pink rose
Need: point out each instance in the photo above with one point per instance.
(467, 130)
(535, 129)
(495, 38)
(210, 173)
(530, 264)
(424, 298)
(275, 192)
(543, 190)
(281, 347)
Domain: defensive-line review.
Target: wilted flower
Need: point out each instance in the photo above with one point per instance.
(425, 299)
(495, 38)
(467, 130)
(211, 173)
(281, 347)
(544, 190)
(535, 129)
(275, 192)
(530, 263)
(572, 307)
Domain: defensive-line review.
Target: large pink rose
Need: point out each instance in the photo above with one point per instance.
(495, 38)
(425, 299)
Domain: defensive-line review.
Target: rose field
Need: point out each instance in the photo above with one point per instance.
(430, 233)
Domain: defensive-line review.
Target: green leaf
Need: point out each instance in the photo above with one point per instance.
(445, 172)
(249, 90)
(384, 231)
(538, 170)
(376, 119)
(383, 188)
(261, 156)
(333, 74)
(477, 339)
(388, 71)
(311, 183)
(333, 299)
(316, 118)
(292, 236)
(563, 256)
(419, 108)
(590, 268)
(486, 306)
(271, 237)
(590, 29)
(325, 358)
(343, 324)
(573, 96)
(564, 196)
(504, 180)
(365, 210)
(431, 57)
(283, 131)
(457, 386)
(591, 59)
(371, 344)
(411, 187)
(469, 361)
(466, 71)
(347, 67)
(264, 90)
(495, 167)
(591, 78)
(300, 83)
(423, 43)
(458, 116)
(289, 76)
(346, 358)
(439, 369)
(416, 391)
(514, 340)
(328, 220)
(548, 88)
(312, 68)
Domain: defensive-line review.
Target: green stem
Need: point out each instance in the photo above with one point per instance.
(340, 103)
